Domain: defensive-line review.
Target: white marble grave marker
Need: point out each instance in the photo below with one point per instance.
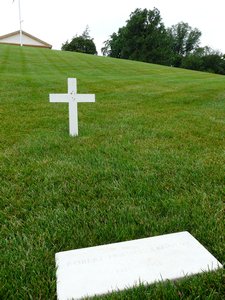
(72, 98)
(102, 269)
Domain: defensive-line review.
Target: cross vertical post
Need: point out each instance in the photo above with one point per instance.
(73, 112)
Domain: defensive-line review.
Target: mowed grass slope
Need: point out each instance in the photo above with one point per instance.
(149, 160)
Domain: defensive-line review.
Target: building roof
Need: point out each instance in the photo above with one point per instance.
(29, 40)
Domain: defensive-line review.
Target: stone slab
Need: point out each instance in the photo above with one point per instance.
(103, 269)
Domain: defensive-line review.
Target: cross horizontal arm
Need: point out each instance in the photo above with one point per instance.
(85, 97)
(59, 98)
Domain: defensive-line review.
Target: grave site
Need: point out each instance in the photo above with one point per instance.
(131, 206)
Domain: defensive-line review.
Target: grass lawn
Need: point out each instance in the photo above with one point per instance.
(149, 160)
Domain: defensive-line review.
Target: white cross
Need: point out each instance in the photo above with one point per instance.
(72, 98)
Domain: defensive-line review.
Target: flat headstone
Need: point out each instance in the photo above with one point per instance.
(102, 269)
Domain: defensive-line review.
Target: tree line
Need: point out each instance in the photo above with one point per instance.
(145, 38)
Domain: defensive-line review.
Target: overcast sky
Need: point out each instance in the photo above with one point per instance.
(55, 21)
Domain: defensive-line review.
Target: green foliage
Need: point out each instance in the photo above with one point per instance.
(83, 43)
(185, 38)
(205, 59)
(144, 38)
(148, 161)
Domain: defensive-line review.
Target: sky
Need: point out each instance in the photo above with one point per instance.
(56, 21)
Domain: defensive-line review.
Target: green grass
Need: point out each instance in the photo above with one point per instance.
(149, 160)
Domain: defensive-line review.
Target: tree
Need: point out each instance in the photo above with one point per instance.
(83, 43)
(205, 59)
(184, 39)
(144, 38)
(214, 63)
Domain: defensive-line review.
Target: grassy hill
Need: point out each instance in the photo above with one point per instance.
(149, 160)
